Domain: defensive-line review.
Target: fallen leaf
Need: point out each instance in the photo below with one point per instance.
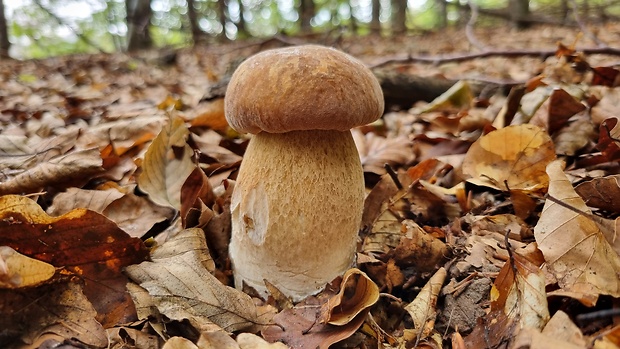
(60, 308)
(167, 164)
(357, 293)
(574, 247)
(601, 193)
(299, 327)
(136, 215)
(511, 158)
(574, 137)
(181, 286)
(418, 248)
(252, 341)
(179, 343)
(556, 111)
(18, 271)
(376, 151)
(82, 242)
(59, 171)
(423, 309)
(518, 302)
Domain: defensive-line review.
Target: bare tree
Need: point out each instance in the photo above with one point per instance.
(241, 27)
(5, 44)
(399, 16)
(375, 22)
(192, 15)
(139, 15)
(519, 12)
(306, 12)
(222, 9)
(443, 13)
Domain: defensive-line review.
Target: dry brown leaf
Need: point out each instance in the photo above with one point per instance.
(59, 308)
(376, 151)
(211, 115)
(83, 243)
(59, 171)
(419, 248)
(561, 326)
(179, 343)
(511, 158)
(601, 193)
(574, 247)
(181, 286)
(574, 137)
(252, 341)
(17, 270)
(518, 301)
(556, 110)
(299, 327)
(216, 340)
(136, 215)
(126, 132)
(357, 293)
(120, 336)
(423, 309)
(167, 163)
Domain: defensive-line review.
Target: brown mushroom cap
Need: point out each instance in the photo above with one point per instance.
(302, 88)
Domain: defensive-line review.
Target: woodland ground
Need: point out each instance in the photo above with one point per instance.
(473, 199)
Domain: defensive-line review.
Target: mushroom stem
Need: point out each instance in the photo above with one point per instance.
(296, 211)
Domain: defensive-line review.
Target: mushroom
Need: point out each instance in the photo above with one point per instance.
(298, 200)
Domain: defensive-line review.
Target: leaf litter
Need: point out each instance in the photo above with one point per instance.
(117, 174)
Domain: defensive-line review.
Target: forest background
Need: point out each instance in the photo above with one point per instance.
(43, 28)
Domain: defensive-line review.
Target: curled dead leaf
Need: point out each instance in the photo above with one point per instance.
(357, 293)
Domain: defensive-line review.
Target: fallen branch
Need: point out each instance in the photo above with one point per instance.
(542, 54)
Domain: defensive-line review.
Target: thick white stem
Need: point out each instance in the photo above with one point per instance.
(296, 211)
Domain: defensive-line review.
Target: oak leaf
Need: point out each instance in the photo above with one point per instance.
(574, 247)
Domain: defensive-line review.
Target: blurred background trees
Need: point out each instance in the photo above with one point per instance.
(40, 28)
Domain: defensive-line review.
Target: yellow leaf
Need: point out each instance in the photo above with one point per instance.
(17, 270)
(511, 158)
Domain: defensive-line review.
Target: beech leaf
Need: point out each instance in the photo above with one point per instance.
(182, 287)
(511, 158)
(574, 247)
(17, 270)
(167, 164)
(357, 293)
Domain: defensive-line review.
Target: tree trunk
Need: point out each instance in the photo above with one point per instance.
(442, 19)
(375, 22)
(139, 15)
(222, 8)
(5, 44)
(519, 11)
(399, 16)
(197, 34)
(241, 26)
(306, 13)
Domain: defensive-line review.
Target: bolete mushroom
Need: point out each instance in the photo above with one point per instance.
(298, 200)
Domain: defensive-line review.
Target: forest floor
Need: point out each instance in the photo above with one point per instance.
(490, 221)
